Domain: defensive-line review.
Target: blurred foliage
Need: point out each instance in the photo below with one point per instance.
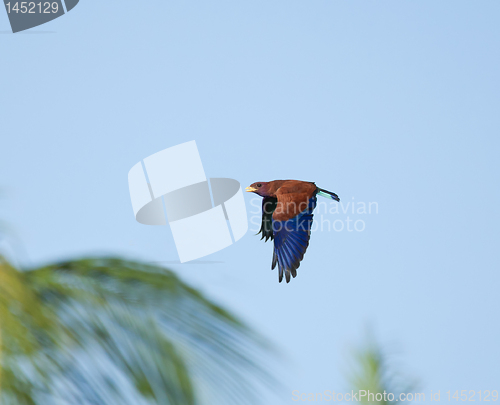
(109, 331)
(376, 372)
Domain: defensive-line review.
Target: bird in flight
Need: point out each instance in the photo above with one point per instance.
(287, 215)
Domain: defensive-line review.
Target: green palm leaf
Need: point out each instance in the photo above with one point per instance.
(108, 331)
(375, 372)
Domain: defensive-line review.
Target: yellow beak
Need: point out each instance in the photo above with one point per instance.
(250, 189)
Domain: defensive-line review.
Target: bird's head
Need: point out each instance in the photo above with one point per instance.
(260, 188)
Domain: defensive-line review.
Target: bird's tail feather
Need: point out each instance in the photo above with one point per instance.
(328, 194)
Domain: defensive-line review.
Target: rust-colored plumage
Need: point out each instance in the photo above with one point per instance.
(287, 208)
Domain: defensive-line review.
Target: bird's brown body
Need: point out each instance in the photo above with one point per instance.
(293, 197)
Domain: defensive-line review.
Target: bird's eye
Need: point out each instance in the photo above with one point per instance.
(258, 184)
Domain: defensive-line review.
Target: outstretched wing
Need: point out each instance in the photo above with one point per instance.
(266, 227)
(291, 238)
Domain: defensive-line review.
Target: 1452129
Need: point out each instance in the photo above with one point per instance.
(472, 396)
(32, 7)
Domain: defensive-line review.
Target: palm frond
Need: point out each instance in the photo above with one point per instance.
(375, 371)
(108, 331)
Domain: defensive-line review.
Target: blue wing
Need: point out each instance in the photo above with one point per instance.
(291, 239)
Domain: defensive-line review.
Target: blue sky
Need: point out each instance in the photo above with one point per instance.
(393, 102)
